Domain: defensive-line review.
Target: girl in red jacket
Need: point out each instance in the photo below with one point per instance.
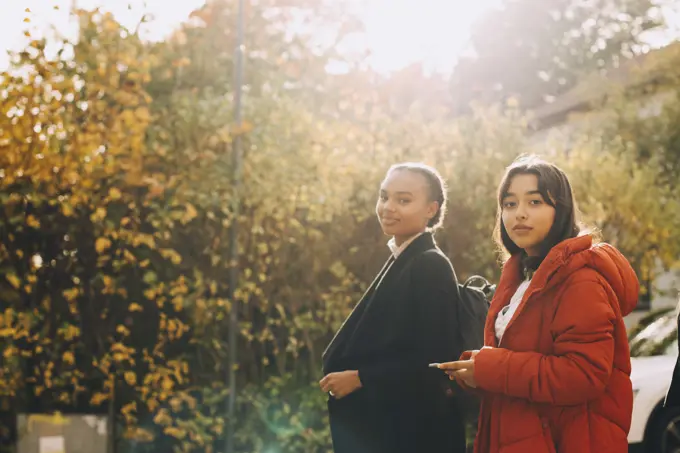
(554, 375)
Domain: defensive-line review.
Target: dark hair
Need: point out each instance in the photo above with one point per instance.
(436, 185)
(555, 189)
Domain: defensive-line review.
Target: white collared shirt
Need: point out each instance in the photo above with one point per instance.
(397, 249)
(506, 314)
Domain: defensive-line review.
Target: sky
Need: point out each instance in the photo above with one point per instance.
(398, 32)
(167, 14)
(434, 31)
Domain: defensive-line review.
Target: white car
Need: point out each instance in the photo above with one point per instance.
(654, 350)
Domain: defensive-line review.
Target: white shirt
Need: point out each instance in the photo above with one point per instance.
(397, 249)
(506, 314)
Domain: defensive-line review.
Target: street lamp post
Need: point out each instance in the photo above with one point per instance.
(233, 233)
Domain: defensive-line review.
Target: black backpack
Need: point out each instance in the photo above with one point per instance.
(473, 306)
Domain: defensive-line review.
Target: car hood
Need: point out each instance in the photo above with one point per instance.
(645, 368)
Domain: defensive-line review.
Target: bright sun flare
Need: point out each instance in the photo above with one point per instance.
(398, 32)
(436, 32)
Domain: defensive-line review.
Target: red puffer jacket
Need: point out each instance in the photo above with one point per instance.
(560, 379)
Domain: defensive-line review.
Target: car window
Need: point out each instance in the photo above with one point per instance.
(656, 336)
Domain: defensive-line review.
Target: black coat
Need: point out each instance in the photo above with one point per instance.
(405, 320)
(673, 395)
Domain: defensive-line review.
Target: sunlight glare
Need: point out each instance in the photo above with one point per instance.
(435, 32)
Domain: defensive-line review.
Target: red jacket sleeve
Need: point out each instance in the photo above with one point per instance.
(582, 359)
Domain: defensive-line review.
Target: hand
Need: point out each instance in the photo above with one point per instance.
(462, 370)
(341, 384)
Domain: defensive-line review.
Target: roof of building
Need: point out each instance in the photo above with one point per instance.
(640, 70)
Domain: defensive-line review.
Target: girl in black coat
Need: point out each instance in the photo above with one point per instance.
(383, 398)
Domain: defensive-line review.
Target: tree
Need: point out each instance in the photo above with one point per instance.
(538, 49)
(646, 113)
(623, 157)
(92, 300)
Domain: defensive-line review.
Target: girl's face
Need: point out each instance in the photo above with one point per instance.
(526, 216)
(404, 207)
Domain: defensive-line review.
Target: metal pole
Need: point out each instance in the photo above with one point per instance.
(233, 233)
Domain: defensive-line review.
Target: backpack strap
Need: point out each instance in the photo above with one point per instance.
(487, 288)
(455, 279)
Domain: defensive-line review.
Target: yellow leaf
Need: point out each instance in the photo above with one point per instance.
(130, 378)
(123, 330)
(175, 432)
(71, 294)
(162, 417)
(102, 244)
(176, 404)
(146, 239)
(152, 404)
(115, 194)
(155, 190)
(99, 214)
(167, 384)
(71, 332)
(98, 398)
(32, 222)
(190, 214)
(171, 255)
(67, 209)
(138, 434)
(142, 113)
(13, 280)
(69, 358)
(128, 411)
(135, 307)
(130, 258)
(6, 332)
